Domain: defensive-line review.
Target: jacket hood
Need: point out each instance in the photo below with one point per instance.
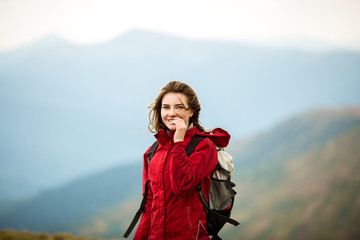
(218, 136)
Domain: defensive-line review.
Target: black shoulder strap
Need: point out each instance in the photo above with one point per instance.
(150, 155)
(152, 151)
(192, 144)
(139, 212)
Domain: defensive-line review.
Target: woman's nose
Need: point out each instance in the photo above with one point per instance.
(172, 112)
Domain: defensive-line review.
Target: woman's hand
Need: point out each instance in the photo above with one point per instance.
(181, 129)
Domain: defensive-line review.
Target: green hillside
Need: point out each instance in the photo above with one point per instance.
(314, 195)
(24, 235)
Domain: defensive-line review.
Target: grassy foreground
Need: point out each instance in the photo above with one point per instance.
(25, 235)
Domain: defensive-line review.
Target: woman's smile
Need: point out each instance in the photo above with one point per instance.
(175, 108)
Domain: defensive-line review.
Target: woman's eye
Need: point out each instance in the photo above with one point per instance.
(165, 107)
(179, 107)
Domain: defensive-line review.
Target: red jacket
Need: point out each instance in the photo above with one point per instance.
(173, 208)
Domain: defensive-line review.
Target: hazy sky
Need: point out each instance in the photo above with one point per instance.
(332, 22)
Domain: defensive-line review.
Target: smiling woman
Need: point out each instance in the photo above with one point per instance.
(179, 100)
(173, 208)
(175, 112)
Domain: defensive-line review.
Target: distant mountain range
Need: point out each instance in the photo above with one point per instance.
(297, 180)
(68, 111)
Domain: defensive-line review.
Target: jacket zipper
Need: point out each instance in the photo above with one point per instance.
(163, 180)
(190, 224)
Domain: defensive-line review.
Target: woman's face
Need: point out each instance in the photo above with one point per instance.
(175, 105)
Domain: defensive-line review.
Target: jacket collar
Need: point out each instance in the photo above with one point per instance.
(167, 137)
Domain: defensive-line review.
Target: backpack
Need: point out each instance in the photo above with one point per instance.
(221, 194)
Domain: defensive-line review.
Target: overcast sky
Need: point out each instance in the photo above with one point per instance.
(329, 22)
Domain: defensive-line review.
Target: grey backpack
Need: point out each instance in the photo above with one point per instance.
(221, 194)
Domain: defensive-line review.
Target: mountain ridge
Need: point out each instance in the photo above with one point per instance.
(303, 45)
(313, 196)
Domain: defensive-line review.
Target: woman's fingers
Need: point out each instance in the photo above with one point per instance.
(180, 129)
(179, 123)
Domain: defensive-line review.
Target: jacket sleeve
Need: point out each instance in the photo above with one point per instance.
(143, 230)
(187, 172)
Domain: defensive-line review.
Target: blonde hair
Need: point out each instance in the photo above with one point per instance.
(155, 121)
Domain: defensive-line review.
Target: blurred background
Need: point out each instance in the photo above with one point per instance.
(282, 77)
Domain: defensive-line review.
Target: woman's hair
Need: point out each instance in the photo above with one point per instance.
(155, 121)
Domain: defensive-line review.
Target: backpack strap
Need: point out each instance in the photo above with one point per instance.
(208, 210)
(133, 223)
(152, 151)
(206, 204)
(139, 212)
(192, 144)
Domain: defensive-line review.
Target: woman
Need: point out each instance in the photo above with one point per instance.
(173, 208)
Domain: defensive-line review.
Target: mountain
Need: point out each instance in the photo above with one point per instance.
(64, 208)
(297, 180)
(20, 235)
(68, 110)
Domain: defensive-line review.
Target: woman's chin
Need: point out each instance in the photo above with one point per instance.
(171, 127)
